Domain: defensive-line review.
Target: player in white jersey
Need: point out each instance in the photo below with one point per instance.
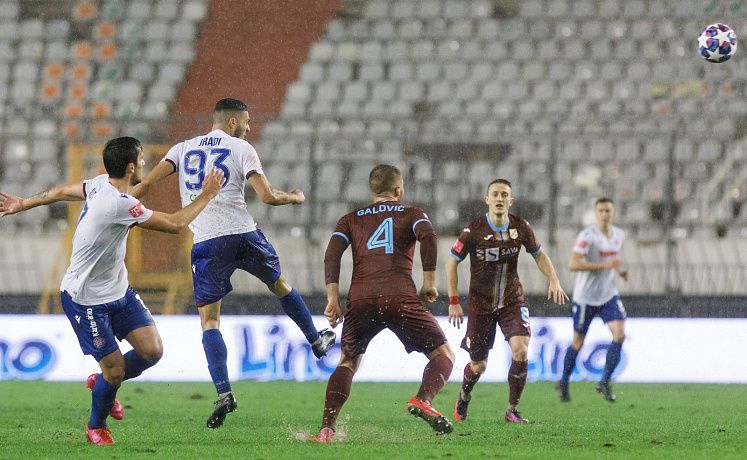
(596, 258)
(96, 297)
(226, 237)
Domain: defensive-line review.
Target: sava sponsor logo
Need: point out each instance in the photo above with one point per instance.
(496, 254)
(376, 209)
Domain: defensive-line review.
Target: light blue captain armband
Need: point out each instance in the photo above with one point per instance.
(341, 235)
(417, 222)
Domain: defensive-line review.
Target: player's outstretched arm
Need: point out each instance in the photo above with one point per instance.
(554, 291)
(456, 314)
(175, 223)
(162, 169)
(578, 263)
(10, 204)
(272, 195)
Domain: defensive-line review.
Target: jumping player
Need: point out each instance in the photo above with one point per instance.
(596, 258)
(96, 296)
(496, 297)
(226, 237)
(383, 295)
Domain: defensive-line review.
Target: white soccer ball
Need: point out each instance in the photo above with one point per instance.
(717, 43)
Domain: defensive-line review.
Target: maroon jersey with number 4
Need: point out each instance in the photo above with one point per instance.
(494, 256)
(382, 237)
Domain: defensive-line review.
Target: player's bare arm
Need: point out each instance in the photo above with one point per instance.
(429, 293)
(10, 204)
(273, 195)
(456, 314)
(162, 169)
(554, 290)
(332, 258)
(578, 263)
(333, 311)
(176, 222)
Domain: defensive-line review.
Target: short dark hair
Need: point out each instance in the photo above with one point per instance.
(603, 200)
(499, 181)
(383, 178)
(120, 152)
(230, 104)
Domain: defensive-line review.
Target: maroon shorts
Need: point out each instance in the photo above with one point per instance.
(481, 328)
(410, 321)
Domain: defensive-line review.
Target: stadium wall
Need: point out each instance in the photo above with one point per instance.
(259, 46)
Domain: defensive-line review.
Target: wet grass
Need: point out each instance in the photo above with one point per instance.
(276, 419)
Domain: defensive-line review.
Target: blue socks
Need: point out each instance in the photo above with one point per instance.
(102, 400)
(134, 365)
(613, 358)
(294, 306)
(568, 363)
(217, 355)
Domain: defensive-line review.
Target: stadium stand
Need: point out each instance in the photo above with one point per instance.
(84, 71)
(570, 100)
(444, 65)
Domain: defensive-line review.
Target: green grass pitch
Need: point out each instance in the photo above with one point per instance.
(167, 420)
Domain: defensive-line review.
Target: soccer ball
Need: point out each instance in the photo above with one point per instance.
(717, 43)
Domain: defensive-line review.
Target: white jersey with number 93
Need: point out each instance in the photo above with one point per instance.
(193, 159)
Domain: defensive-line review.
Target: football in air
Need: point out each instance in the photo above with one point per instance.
(717, 43)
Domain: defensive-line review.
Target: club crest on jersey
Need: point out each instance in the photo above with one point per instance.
(137, 210)
(513, 233)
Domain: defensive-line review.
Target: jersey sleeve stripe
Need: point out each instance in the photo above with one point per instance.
(537, 252)
(172, 164)
(455, 256)
(417, 222)
(341, 235)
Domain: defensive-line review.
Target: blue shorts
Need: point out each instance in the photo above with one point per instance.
(215, 260)
(583, 314)
(97, 325)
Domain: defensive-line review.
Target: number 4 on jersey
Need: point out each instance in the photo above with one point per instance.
(383, 237)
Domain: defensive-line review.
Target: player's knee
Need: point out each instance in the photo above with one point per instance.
(281, 287)
(444, 350)
(449, 353)
(350, 363)
(114, 374)
(152, 354)
(520, 354)
(479, 367)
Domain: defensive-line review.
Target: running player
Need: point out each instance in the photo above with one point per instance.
(596, 258)
(96, 296)
(496, 297)
(383, 295)
(226, 237)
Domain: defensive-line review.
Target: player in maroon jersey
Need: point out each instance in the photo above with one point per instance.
(383, 295)
(496, 297)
